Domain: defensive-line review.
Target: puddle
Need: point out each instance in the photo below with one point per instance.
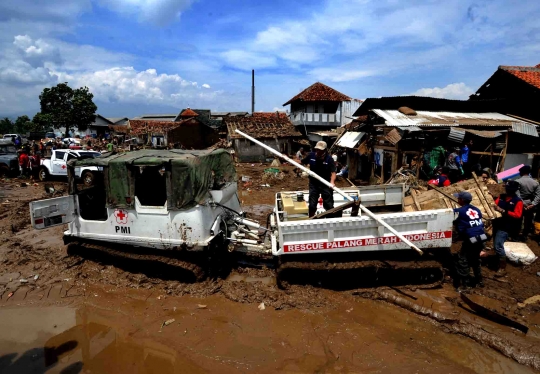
(248, 279)
(62, 340)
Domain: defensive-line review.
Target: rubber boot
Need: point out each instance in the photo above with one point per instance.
(501, 272)
(478, 281)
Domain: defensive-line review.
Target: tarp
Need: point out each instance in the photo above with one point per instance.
(190, 174)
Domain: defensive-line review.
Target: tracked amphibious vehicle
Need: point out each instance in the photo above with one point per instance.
(180, 210)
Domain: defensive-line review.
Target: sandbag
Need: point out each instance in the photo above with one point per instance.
(519, 253)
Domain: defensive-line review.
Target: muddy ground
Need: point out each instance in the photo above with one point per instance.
(61, 312)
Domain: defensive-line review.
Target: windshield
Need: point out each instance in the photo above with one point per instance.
(8, 149)
(89, 154)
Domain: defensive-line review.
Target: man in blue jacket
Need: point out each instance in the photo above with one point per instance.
(470, 228)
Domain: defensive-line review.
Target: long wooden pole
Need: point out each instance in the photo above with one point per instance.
(339, 191)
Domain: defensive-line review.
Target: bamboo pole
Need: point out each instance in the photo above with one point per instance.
(368, 212)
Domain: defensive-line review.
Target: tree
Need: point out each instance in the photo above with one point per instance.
(67, 107)
(23, 125)
(6, 126)
(42, 122)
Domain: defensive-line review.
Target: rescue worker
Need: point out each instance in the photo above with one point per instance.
(453, 162)
(442, 179)
(470, 228)
(529, 191)
(322, 164)
(465, 152)
(510, 206)
(24, 163)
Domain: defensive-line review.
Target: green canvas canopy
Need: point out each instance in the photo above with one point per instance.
(190, 174)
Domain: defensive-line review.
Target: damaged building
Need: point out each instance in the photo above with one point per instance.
(400, 132)
(272, 129)
(188, 130)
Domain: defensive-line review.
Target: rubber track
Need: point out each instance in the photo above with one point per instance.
(198, 271)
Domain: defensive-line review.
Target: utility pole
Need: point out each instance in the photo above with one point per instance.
(252, 92)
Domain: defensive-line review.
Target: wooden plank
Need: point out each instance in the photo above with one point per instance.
(448, 203)
(439, 190)
(492, 212)
(415, 200)
(501, 167)
(340, 208)
(386, 148)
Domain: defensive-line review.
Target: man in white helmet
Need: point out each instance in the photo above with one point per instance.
(322, 164)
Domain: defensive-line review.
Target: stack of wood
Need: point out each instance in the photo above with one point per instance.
(442, 198)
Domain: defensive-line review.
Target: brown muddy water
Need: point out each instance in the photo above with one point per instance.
(118, 331)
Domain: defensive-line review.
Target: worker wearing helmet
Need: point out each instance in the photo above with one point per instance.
(322, 164)
(470, 228)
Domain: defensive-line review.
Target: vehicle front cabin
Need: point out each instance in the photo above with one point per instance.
(158, 199)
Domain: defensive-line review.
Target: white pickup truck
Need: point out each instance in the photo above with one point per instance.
(56, 165)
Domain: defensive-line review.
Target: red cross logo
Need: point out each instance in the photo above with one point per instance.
(473, 214)
(63, 166)
(121, 216)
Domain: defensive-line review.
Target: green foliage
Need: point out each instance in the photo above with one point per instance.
(23, 125)
(42, 122)
(6, 126)
(67, 107)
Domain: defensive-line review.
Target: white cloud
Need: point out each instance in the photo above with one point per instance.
(276, 109)
(159, 12)
(451, 91)
(248, 60)
(340, 74)
(127, 85)
(205, 85)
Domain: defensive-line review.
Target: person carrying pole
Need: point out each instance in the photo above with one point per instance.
(321, 163)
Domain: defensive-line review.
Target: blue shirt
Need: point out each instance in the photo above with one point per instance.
(469, 221)
(465, 154)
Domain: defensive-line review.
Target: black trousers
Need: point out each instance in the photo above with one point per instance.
(326, 193)
(469, 257)
(528, 219)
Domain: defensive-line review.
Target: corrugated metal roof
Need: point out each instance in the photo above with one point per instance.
(454, 119)
(350, 139)
(485, 134)
(456, 134)
(329, 134)
(525, 128)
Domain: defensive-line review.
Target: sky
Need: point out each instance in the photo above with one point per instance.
(159, 56)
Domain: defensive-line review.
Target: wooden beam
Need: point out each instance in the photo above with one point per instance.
(501, 167)
(386, 148)
(415, 200)
(340, 208)
(481, 153)
(483, 198)
(439, 190)
(523, 119)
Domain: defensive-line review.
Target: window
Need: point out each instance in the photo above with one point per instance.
(60, 155)
(71, 156)
(151, 185)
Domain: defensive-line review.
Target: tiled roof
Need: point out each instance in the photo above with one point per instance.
(119, 128)
(140, 127)
(528, 74)
(319, 92)
(188, 113)
(270, 115)
(262, 125)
